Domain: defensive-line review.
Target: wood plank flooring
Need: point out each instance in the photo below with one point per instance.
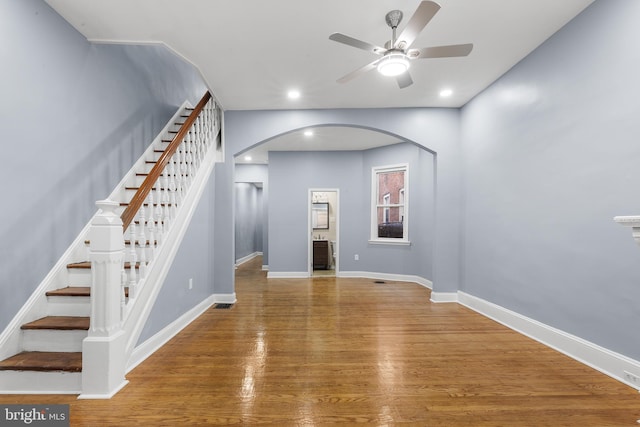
(323, 351)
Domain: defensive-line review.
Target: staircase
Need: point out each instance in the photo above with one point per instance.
(41, 351)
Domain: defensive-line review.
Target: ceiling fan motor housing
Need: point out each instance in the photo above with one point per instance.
(393, 18)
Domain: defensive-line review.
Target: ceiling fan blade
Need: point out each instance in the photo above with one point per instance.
(352, 75)
(441, 51)
(350, 41)
(423, 14)
(404, 79)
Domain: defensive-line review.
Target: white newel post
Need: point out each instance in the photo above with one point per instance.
(103, 351)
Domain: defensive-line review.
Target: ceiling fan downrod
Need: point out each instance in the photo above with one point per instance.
(393, 19)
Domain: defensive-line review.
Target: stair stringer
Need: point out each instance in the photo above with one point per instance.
(37, 305)
(140, 309)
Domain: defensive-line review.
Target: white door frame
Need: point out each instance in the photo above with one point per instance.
(310, 228)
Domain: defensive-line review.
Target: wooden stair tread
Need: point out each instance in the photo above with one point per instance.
(137, 188)
(123, 204)
(127, 242)
(82, 264)
(87, 265)
(43, 361)
(59, 323)
(147, 173)
(71, 291)
(155, 221)
(77, 291)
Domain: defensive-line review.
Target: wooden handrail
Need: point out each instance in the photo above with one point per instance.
(138, 199)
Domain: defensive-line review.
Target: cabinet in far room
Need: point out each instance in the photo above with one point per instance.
(321, 255)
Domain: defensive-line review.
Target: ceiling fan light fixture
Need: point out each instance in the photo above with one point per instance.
(393, 64)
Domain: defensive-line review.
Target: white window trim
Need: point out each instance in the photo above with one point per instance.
(386, 201)
(373, 234)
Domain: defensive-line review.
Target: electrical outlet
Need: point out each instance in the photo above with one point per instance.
(191, 283)
(632, 379)
(356, 257)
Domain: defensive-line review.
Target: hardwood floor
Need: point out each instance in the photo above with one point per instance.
(313, 352)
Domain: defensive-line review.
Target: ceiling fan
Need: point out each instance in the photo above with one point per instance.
(397, 53)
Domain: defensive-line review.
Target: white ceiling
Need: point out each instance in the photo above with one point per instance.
(251, 52)
(325, 138)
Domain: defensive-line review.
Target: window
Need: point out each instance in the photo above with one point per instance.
(386, 201)
(389, 204)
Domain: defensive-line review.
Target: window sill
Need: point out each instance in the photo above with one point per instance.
(392, 242)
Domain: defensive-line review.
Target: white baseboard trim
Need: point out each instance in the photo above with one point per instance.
(287, 275)
(265, 268)
(247, 258)
(387, 276)
(224, 298)
(438, 297)
(606, 361)
(151, 345)
(104, 396)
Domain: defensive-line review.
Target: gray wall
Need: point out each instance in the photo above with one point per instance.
(258, 175)
(437, 130)
(350, 172)
(551, 156)
(416, 259)
(289, 203)
(193, 261)
(248, 219)
(75, 117)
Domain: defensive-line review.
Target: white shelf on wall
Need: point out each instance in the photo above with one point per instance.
(632, 221)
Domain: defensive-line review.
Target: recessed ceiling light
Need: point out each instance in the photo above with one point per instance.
(308, 132)
(293, 94)
(446, 92)
(247, 158)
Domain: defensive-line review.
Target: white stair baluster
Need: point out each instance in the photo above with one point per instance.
(133, 258)
(166, 217)
(157, 197)
(150, 205)
(173, 210)
(141, 222)
(183, 164)
(159, 226)
(165, 186)
(152, 239)
(189, 159)
(123, 286)
(172, 173)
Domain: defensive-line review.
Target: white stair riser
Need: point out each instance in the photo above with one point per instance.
(53, 340)
(68, 306)
(28, 382)
(79, 277)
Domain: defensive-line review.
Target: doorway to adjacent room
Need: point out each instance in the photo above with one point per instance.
(323, 232)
